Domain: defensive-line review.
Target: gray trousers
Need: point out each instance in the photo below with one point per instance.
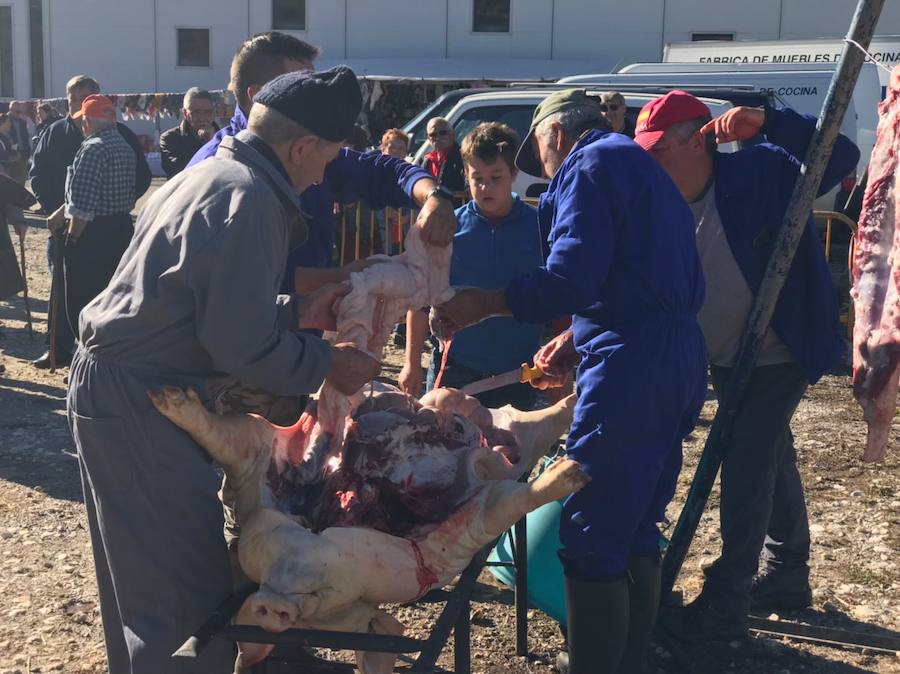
(762, 510)
(155, 523)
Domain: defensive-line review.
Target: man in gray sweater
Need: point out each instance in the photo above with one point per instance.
(194, 304)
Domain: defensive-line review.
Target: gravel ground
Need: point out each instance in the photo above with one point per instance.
(49, 620)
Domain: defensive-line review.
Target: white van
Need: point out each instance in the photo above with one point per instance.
(803, 90)
(515, 107)
(811, 53)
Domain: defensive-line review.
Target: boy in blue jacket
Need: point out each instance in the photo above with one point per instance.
(498, 239)
(738, 201)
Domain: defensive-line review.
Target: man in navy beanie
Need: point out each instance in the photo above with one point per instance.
(195, 303)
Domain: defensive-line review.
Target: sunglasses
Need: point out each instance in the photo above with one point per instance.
(442, 132)
(609, 106)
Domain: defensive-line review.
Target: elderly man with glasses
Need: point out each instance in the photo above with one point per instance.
(613, 107)
(444, 162)
(178, 146)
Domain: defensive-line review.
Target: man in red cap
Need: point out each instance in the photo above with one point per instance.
(739, 200)
(97, 212)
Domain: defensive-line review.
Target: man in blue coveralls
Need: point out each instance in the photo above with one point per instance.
(378, 179)
(623, 262)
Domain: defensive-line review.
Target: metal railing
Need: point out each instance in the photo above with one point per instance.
(364, 231)
(827, 219)
(384, 232)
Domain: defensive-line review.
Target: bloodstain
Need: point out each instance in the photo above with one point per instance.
(425, 577)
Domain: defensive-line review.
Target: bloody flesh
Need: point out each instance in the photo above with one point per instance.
(876, 284)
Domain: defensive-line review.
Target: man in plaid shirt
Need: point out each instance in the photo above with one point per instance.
(100, 193)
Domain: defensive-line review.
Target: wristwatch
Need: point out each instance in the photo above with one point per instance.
(441, 192)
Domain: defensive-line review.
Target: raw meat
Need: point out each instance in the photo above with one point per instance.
(423, 485)
(876, 283)
(370, 500)
(380, 295)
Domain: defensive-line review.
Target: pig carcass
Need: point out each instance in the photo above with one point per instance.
(876, 283)
(420, 488)
(378, 498)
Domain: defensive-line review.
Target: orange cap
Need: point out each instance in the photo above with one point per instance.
(96, 106)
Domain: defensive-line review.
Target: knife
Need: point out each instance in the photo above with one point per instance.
(522, 374)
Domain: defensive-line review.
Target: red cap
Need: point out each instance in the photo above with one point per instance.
(96, 106)
(658, 115)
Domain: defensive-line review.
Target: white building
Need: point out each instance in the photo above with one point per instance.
(169, 45)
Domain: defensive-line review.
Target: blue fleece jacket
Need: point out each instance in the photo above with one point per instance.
(490, 255)
(377, 179)
(753, 188)
(622, 250)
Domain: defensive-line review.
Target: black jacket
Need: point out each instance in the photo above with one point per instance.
(56, 151)
(177, 146)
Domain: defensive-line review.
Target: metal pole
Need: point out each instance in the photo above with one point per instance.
(817, 155)
(520, 530)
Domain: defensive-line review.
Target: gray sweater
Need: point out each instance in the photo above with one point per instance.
(195, 294)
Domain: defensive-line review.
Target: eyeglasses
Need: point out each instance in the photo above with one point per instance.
(609, 106)
(435, 134)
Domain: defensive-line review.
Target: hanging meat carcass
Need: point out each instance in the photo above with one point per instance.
(377, 497)
(876, 283)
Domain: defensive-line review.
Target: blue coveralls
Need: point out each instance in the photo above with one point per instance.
(623, 261)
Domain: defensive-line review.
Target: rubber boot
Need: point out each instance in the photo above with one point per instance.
(597, 625)
(643, 604)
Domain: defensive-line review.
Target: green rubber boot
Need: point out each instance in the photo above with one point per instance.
(597, 626)
(643, 604)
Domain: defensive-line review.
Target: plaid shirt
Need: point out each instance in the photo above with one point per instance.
(100, 180)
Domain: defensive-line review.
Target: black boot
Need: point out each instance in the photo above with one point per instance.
(597, 625)
(643, 604)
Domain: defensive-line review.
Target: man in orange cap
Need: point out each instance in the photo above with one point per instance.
(738, 200)
(97, 212)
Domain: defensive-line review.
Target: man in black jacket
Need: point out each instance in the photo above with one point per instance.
(177, 146)
(444, 162)
(52, 158)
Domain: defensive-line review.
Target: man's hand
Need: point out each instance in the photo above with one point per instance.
(437, 221)
(351, 369)
(316, 311)
(551, 381)
(557, 358)
(736, 124)
(469, 306)
(410, 379)
(56, 222)
(21, 230)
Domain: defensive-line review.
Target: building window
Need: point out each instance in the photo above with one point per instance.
(193, 47)
(6, 53)
(289, 14)
(490, 16)
(707, 37)
(36, 26)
